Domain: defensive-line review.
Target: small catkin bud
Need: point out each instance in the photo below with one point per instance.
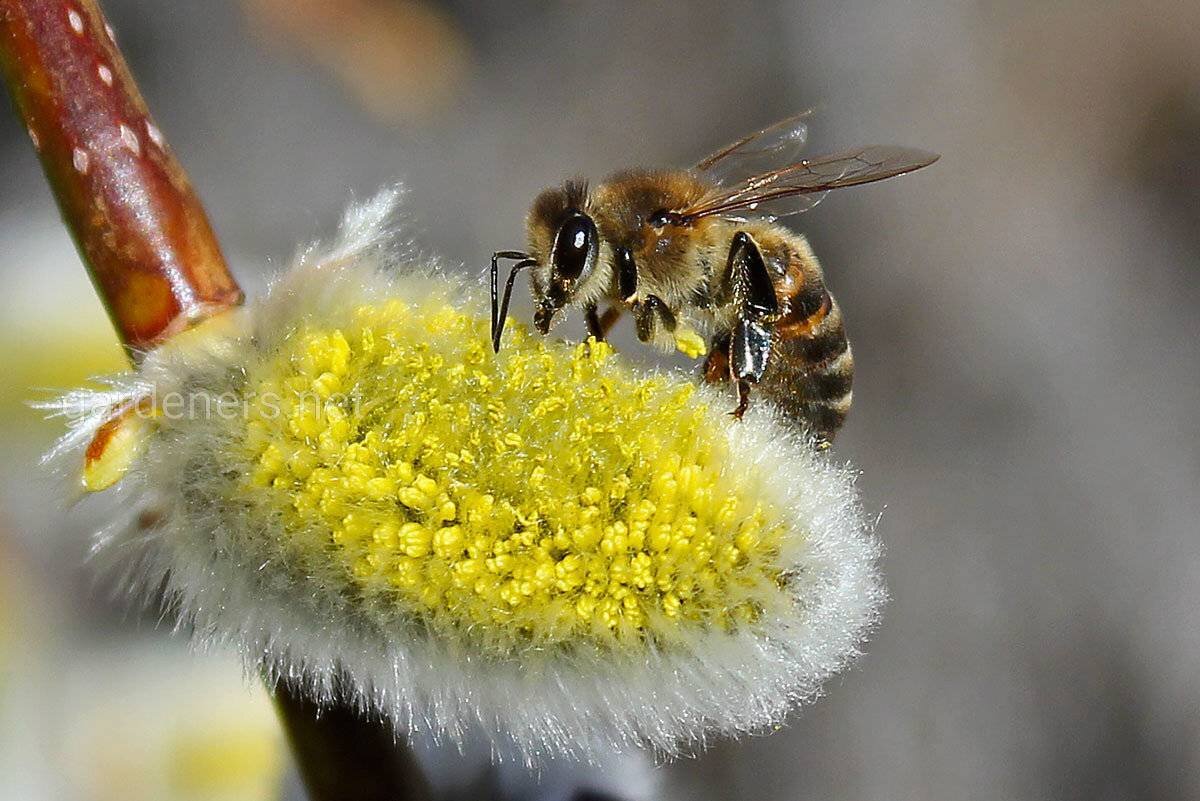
(547, 543)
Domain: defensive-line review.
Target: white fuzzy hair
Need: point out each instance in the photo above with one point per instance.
(583, 705)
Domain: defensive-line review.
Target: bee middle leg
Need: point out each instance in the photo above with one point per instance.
(716, 364)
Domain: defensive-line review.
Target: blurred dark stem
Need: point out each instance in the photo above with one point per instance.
(156, 265)
(344, 756)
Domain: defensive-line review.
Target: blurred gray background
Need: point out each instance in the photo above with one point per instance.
(1024, 316)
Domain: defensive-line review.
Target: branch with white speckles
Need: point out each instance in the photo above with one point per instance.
(136, 221)
(156, 264)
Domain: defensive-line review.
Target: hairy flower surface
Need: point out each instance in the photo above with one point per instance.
(344, 483)
(536, 499)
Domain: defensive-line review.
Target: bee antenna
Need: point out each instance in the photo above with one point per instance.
(500, 308)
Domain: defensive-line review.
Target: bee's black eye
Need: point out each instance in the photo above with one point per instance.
(575, 247)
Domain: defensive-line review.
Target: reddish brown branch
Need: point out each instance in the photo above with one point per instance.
(155, 262)
(135, 218)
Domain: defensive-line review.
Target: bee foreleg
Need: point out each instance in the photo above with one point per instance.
(649, 313)
(600, 324)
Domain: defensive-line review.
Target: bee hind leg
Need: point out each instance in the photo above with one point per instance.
(758, 309)
(718, 367)
(749, 350)
(743, 390)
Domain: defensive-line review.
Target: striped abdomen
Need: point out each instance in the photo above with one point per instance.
(811, 368)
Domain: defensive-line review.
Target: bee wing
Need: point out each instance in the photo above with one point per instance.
(780, 143)
(800, 186)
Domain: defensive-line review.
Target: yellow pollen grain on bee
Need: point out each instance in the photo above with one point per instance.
(690, 343)
(545, 496)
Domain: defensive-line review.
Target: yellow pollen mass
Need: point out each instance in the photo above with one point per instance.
(545, 496)
(690, 343)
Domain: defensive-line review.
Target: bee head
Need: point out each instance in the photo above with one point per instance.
(564, 240)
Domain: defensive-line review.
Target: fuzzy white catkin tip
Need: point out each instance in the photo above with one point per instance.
(568, 553)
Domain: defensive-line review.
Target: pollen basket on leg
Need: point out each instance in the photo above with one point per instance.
(544, 497)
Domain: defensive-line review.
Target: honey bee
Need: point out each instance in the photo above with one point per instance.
(703, 246)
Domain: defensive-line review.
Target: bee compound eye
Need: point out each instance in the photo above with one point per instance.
(575, 247)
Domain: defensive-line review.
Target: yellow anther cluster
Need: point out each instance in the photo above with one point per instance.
(540, 497)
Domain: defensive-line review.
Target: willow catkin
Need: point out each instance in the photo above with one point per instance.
(572, 554)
